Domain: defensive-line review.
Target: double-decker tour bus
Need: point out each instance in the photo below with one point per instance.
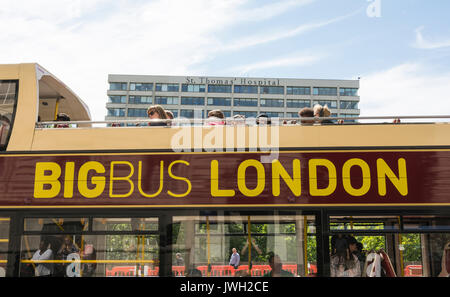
(94, 199)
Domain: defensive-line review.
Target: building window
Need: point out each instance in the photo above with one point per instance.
(247, 114)
(245, 102)
(271, 102)
(271, 114)
(348, 104)
(298, 103)
(292, 114)
(219, 101)
(118, 86)
(246, 89)
(219, 89)
(329, 103)
(193, 88)
(167, 87)
(141, 86)
(348, 92)
(298, 90)
(140, 100)
(325, 91)
(117, 99)
(174, 111)
(166, 100)
(191, 113)
(192, 101)
(272, 90)
(116, 112)
(137, 112)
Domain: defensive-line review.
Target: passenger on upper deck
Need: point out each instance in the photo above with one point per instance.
(238, 119)
(306, 112)
(216, 117)
(169, 116)
(157, 112)
(263, 119)
(62, 117)
(322, 112)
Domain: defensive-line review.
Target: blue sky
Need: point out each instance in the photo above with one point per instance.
(399, 48)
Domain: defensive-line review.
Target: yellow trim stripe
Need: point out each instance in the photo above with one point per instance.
(224, 205)
(225, 152)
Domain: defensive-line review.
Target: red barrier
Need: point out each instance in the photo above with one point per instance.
(413, 270)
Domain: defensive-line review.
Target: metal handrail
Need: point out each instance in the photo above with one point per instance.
(246, 120)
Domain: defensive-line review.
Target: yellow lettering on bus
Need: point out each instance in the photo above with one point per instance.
(127, 178)
(215, 191)
(400, 182)
(260, 182)
(98, 181)
(188, 182)
(278, 173)
(69, 177)
(161, 181)
(332, 180)
(41, 179)
(346, 180)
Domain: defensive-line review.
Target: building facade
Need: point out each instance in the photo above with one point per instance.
(129, 96)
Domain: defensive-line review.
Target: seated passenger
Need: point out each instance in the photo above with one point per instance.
(263, 119)
(62, 117)
(216, 117)
(42, 254)
(343, 262)
(238, 119)
(277, 267)
(169, 116)
(157, 112)
(322, 112)
(306, 113)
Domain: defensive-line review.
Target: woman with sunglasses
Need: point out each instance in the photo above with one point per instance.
(156, 112)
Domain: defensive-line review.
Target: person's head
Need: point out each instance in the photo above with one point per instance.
(304, 113)
(169, 114)
(275, 262)
(43, 245)
(178, 255)
(216, 113)
(234, 250)
(156, 112)
(263, 119)
(63, 117)
(68, 240)
(352, 244)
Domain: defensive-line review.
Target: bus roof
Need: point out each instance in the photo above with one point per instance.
(41, 93)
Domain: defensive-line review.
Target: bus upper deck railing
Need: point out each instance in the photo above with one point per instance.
(305, 121)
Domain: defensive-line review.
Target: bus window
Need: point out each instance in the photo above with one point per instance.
(8, 102)
(391, 246)
(272, 244)
(4, 241)
(66, 247)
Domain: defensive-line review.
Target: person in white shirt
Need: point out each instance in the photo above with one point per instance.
(43, 253)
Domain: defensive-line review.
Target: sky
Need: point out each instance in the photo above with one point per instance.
(400, 49)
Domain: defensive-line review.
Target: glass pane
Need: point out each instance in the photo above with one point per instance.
(243, 245)
(119, 248)
(60, 225)
(125, 224)
(364, 223)
(426, 223)
(8, 102)
(4, 243)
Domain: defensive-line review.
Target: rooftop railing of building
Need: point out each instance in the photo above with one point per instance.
(306, 121)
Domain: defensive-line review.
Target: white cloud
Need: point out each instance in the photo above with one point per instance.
(409, 89)
(422, 43)
(293, 60)
(82, 41)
